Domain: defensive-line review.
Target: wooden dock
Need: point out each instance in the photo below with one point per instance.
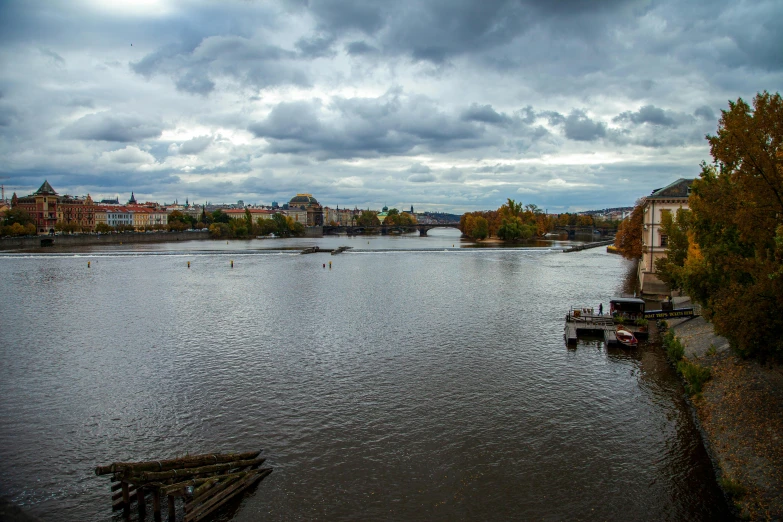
(590, 324)
(585, 321)
(202, 484)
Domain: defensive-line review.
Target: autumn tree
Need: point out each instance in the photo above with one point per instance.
(629, 233)
(736, 272)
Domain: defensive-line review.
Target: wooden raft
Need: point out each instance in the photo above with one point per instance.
(204, 483)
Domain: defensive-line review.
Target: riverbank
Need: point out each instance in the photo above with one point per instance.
(67, 241)
(740, 411)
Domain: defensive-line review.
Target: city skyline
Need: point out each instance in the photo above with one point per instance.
(450, 108)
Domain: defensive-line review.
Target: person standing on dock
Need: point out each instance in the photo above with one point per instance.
(601, 309)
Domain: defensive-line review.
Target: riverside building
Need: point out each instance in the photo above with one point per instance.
(661, 201)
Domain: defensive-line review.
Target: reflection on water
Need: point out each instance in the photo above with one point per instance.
(397, 385)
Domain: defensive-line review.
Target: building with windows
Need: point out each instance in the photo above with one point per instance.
(255, 213)
(114, 216)
(42, 207)
(313, 212)
(77, 210)
(668, 199)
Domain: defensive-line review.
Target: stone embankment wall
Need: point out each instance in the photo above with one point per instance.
(314, 231)
(30, 243)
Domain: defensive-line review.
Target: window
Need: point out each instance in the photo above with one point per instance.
(664, 240)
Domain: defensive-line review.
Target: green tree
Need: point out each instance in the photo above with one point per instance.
(510, 229)
(481, 228)
(219, 230)
(297, 229)
(281, 225)
(671, 269)
(103, 228)
(218, 216)
(737, 223)
(266, 227)
(368, 218)
(248, 219)
(17, 215)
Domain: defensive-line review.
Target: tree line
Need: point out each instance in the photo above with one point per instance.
(726, 249)
(17, 222)
(514, 221)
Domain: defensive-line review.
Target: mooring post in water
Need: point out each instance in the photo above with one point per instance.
(172, 510)
(156, 504)
(141, 501)
(188, 264)
(232, 263)
(125, 498)
(88, 264)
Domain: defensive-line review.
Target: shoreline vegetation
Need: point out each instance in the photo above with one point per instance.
(738, 404)
(725, 251)
(514, 222)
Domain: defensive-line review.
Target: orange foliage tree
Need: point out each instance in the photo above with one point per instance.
(734, 263)
(629, 233)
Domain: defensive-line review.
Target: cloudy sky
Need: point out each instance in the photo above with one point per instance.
(446, 105)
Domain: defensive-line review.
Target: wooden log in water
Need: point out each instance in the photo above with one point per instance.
(142, 502)
(172, 489)
(122, 502)
(192, 461)
(151, 476)
(221, 498)
(172, 509)
(156, 504)
(208, 493)
(118, 495)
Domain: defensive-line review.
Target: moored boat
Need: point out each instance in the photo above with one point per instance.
(626, 338)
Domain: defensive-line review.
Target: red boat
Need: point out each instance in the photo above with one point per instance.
(626, 338)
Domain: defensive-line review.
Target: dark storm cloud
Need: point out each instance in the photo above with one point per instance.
(654, 116)
(359, 48)
(7, 115)
(105, 126)
(554, 117)
(418, 168)
(439, 31)
(367, 127)
(317, 46)
(249, 62)
(705, 113)
(195, 81)
(580, 127)
(485, 114)
(367, 16)
(421, 178)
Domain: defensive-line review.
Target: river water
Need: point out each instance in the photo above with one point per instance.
(411, 381)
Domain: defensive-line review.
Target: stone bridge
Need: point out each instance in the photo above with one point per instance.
(383, 230)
